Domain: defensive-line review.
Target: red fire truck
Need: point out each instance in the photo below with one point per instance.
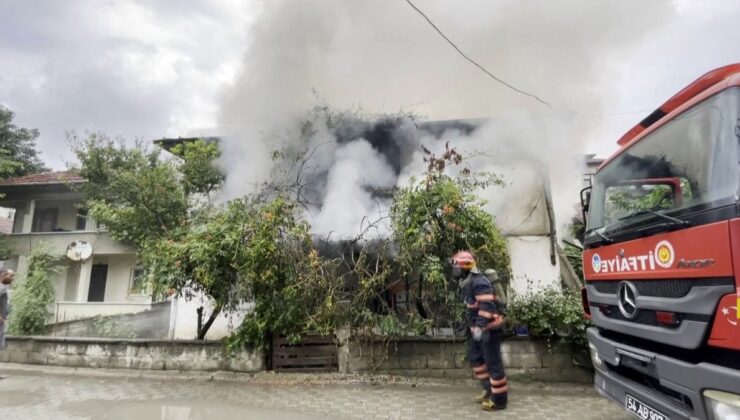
(662, 258)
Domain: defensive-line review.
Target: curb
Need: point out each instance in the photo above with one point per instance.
(282, 379)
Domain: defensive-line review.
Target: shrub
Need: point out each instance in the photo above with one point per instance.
(552, 314)
(31, 302)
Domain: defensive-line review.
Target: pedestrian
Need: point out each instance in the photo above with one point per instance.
(485, 322)
(6, 278)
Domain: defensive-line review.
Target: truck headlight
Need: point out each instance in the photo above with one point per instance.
(722, 405)
(595, 358)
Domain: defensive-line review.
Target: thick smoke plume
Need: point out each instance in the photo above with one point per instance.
(381, 57)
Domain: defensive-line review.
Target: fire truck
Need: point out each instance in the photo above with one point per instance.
(661, 258)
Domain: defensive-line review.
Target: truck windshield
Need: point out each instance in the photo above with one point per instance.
(689, 163)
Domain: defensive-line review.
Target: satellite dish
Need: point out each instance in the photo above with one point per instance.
(79, 250)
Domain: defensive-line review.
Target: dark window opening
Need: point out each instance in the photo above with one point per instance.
(98, 278)
(45, 220)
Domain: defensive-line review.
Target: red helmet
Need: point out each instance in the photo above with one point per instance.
(464, 260)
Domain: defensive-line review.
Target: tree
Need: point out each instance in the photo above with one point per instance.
(133, 191)
(34, 296)
(18, 154)
(435, 217)
(145, 200)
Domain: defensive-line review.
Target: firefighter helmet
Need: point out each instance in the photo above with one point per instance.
(464, 260)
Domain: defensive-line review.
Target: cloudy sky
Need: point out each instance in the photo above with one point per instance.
(148, 69)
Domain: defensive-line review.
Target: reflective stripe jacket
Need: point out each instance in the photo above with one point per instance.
(480, 302)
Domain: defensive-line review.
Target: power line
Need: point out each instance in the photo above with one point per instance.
(473, 61)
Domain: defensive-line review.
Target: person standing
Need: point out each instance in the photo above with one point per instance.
(485, 323)
(6, 278)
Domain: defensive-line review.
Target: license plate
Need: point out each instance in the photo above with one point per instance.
(641, 410)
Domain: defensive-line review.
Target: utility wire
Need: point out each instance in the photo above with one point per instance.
(473, 61)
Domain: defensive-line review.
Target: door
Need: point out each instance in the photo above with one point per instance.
(98, 277)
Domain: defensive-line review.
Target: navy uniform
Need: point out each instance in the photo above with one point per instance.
(485, 323)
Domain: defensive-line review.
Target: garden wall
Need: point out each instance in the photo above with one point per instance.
(181, 355)
(446, 357)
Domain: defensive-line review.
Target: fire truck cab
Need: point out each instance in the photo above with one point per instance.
(661, 258)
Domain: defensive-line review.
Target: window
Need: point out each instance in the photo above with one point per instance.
(81, 219)
(138, 284)
(688, 165)
(45, 219)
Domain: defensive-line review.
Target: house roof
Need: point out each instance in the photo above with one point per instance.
(46, 178)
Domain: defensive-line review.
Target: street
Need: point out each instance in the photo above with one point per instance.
(68, 394)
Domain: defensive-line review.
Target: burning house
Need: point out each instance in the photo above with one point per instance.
(347, 170)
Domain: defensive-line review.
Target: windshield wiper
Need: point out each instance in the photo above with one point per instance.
(604, 239)
(678, 222)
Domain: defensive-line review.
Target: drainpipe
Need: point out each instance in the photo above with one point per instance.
(551, 217)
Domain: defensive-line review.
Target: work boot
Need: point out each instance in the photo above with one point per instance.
(483, 396)
(489, 405)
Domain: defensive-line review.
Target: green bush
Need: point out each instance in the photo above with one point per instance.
(552, 314)
(31, 302)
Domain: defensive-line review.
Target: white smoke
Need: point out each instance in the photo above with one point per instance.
(382, 57)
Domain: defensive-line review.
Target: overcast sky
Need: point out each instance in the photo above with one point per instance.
(148, 69)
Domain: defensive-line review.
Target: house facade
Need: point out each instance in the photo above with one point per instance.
(47, 211)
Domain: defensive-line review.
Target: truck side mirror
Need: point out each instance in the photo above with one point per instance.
(585, 201)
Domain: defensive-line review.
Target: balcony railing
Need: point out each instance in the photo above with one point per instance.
(24, 243)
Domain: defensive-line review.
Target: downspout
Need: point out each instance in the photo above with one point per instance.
(551, 218)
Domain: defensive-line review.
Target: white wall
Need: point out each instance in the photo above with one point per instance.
(184, 319)
(119, 279)
(530, 264)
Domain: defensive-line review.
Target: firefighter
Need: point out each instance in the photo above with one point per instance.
(485, 323)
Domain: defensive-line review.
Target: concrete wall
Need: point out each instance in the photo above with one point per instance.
(71, 311)
(130, 354)
(444, 357)
(153, 323)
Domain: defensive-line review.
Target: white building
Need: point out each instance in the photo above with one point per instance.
(45, 210)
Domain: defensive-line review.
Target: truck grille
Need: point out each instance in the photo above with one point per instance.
(670, 288)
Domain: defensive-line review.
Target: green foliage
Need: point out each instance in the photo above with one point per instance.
(199, 175)
(437, 216)
(550, 313)
(146, 201)
(31, 302)
(256, 252)
(133, 192)
(18, 154)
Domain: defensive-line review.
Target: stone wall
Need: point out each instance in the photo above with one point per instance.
(446, 357)
(179, 355)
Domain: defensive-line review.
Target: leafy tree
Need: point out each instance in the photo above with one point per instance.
(148, 201)
(18, 157)
(18, 154)
(31, 303)
(132, 190)
(199, 175)
(435, 217)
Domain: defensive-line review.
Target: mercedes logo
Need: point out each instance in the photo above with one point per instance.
(627, 297)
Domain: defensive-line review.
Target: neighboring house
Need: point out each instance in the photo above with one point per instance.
(6, 220)
(48, 210)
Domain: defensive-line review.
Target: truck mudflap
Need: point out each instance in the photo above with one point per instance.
(654, 386)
